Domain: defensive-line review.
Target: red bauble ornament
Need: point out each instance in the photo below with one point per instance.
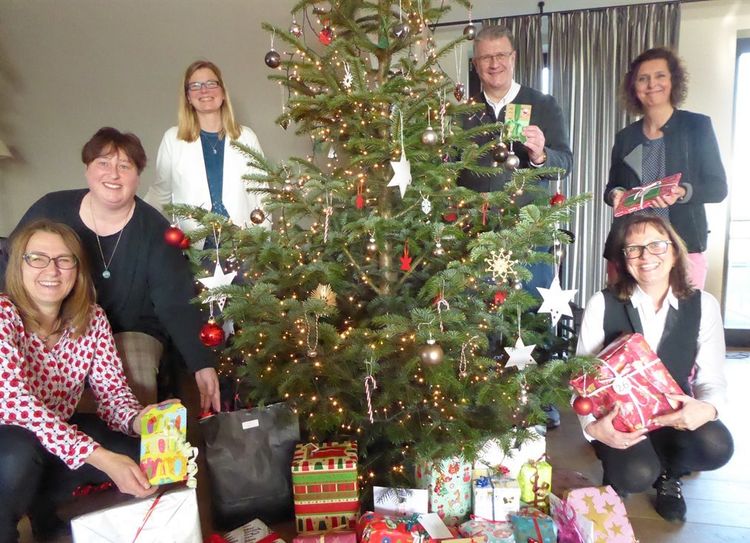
(583, 406)
(557, 199)
(326, 35)
(185, 243)
(500, 297)
(450, 216)
(359, 201)
(211, 334)
(174, 236)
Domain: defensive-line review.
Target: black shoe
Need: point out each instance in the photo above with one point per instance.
(553, 416)
(670, 503)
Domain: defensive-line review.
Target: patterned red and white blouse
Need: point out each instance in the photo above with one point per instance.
(40, 388)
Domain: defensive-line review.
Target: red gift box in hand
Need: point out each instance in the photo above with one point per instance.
(644, 197)
(631, 374)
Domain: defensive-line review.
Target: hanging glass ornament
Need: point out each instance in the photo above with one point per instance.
(512, 161)
(295, 29)
(400, 30)
(429, 136)
(431, 354)
(470, 31)
(325, 36)
(273, 59)
(459, 91)
(499, 153)
(257, 216)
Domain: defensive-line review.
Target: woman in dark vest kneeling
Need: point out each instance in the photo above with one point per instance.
(683, 326)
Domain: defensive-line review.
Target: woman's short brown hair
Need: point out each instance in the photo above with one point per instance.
(625, 284)
(107, 140)
(77, 306)
(676, 70)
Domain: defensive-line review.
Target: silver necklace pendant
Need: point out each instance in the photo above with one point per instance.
(215, 151)
(106, 274)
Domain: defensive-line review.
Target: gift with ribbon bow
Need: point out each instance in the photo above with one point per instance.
(517, 117)
(530, 524)
(645, 196)
(377, 528)
(632, 375)
(495, 497)
(535, 482)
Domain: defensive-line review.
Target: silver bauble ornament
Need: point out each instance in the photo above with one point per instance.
(512, 162)
(459, 91)
(500, 153)
(372, 246)
(429, 136)
(400, 30)
(257, 216)
(273, 59)
(431, 354)
(295, 29)
(406, 89)
(470, 31)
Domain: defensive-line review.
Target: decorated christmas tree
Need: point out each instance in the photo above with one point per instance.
(387, 304)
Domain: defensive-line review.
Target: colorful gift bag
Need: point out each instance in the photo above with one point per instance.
(166, 456)
(517, 117)
(535, 481)
(604, 508)
(326, 492)
(377, 528)
(493, 532)
(631, 374)
(495, 497)
(644, 197)
(492, 459)
(170, 516)
(570, 527)
(530, 524)
(449, 483)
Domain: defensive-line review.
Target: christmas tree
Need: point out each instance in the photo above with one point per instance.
(385, 302)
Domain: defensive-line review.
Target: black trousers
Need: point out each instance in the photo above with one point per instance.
(34, 481)
(677, 452)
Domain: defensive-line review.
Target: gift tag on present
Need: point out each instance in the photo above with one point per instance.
(517, 117)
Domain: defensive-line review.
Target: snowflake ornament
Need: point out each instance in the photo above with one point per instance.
(500, 265)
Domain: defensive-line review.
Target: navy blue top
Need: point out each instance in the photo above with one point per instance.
(213, 158)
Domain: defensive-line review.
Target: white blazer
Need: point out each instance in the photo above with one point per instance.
(181, 178)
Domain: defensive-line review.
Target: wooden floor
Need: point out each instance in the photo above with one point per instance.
(718, 501)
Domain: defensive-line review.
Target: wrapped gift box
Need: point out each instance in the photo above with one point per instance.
(643, 197)
(602, 507)
(377, 528)
(492, 532)
(495, 497)
(324, 480)
(535, 481)
(171, 516)
(165, 453)
(400, 501)
(493, 459)
(632, 374)
(532, 524)
(328, 537)
(449, 485)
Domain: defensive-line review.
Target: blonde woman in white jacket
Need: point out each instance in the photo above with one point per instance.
(196, 164)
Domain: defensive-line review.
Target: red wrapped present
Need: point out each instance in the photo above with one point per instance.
(644, 197)
(631, 374)
(377, 528)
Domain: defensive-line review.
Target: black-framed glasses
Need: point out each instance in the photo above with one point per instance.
(498, 57)
(40, 261)
(658, 247)
(211, 84)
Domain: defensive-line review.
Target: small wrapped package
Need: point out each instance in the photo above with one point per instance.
(254, 531)
(170, 516)
(495, 497)
(517, 117)
(639, 198)
(328, 537)
(530, 524)
(493, 532)
(449, 485)
(400, 501)
(166, 456)
(493, 459)
(535, 481)
(326, 492)
(377, 528)
(602, 507)
(631, 374)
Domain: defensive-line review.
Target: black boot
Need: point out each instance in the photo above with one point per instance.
(670, 503)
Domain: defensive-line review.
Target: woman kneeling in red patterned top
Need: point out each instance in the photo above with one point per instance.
(52, 339)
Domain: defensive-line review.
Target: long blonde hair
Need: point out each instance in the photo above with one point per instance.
(188, 127)
(76, 308)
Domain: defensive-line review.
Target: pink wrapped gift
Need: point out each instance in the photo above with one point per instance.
(644, 197)
(602, 509)
(328, 537)
(632, 374)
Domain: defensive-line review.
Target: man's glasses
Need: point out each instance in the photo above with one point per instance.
(211, 84)
(497, 57)
(658, 247)
(38, 260)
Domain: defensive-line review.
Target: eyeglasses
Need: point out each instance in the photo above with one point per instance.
(658, 247)
(211, 84)
(40, 261)
(497, 57)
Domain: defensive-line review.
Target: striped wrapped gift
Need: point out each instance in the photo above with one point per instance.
(324, 479)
